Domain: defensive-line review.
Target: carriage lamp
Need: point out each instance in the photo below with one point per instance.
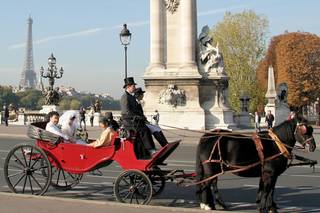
(125, 38)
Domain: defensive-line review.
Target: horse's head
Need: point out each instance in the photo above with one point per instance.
(304, 134)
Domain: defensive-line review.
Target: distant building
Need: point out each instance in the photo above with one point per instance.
(28, 75)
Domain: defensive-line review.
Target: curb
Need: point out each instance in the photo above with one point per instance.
(109, 203)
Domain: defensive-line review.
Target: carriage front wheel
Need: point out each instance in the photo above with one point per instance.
(23, 170)
(133, 186)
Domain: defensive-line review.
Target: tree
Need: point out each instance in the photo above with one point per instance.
(75, 104)
(7, 96)
(295, 58)
(242, 41)
(29, 98)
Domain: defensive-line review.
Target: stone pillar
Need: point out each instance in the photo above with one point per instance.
(188, 33)
(157, 34)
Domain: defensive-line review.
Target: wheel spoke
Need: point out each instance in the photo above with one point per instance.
(24, 157)
(64, 177)
(58, 176)
(36, 182)
(30, 184)
(30, 157)
(136, 198)
(34, 163)
(127, 195)
(15, 174)
(131, 198)
(24, 184)
(19, 180)
(19, 160)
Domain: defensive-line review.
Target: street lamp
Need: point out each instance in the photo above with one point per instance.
(52, 71)
(125, 38)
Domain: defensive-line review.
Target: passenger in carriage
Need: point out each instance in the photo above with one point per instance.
(112, 123)
(154, 129)
(69, 125)
(130, 114)
(52, 125)
(106, 136)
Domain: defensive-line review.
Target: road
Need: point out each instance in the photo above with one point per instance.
(297, 190)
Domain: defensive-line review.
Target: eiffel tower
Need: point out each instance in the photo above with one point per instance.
(28, 76)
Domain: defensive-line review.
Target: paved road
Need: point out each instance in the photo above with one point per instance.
(298, 189)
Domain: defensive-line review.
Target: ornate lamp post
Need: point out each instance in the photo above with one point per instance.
(125, 38)
(52, 96)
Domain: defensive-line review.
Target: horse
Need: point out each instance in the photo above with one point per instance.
(265, 155)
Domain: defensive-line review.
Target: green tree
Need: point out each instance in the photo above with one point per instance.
(7, 96)
(242, 41)
(30, 98)
(75, 104)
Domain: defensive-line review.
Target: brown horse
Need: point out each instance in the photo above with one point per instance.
(220, 152)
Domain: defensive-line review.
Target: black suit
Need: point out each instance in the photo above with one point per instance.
(130, 110)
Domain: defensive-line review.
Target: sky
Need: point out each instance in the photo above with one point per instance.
(84, 35)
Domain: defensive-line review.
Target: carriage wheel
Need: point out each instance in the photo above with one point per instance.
(23, 170)
(63, 180)
(133, 186)
(158, 183)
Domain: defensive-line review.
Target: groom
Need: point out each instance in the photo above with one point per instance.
(52, 125)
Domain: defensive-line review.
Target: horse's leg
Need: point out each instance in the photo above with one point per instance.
(268, 184)
(259, 194)
(217, 197)
(274, 207)
(207, 196)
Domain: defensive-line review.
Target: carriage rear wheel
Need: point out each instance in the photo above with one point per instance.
(133, 186)
(23, 170)
(63, 180)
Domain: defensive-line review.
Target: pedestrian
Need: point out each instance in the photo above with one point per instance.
(156, 118)
(6, 114)
(257, 120)
(269, 119)
(82, 114)
(91, 114)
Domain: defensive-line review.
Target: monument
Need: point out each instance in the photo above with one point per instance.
(28, 75)
(277, 99)
(184, 92)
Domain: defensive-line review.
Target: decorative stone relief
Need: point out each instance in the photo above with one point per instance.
(172, 5)
(221, 86)
(172, 96)
(210, 57)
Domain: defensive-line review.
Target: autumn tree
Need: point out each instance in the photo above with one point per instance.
(242, 41)
(295, 58)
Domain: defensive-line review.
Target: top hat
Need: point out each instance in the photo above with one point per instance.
(129, 81)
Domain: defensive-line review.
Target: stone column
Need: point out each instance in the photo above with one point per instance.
(157, 33)
(188, 33)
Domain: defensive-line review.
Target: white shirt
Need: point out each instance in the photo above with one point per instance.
(50, 127)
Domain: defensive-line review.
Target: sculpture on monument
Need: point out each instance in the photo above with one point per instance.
(172, 96)
(282, 93)
(210, 57)
(172, 5)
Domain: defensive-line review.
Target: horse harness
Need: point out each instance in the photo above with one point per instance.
(236, 168)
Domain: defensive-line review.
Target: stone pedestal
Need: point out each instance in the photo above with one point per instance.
(177, 101)
(49, 108)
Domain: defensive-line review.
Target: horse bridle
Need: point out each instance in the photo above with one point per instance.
(306, 141)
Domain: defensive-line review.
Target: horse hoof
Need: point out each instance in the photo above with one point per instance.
(221, 205)
(204, 206)
(273, 210)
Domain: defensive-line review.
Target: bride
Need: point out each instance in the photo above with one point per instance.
(69, 125)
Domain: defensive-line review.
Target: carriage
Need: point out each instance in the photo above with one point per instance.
(32, 169)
